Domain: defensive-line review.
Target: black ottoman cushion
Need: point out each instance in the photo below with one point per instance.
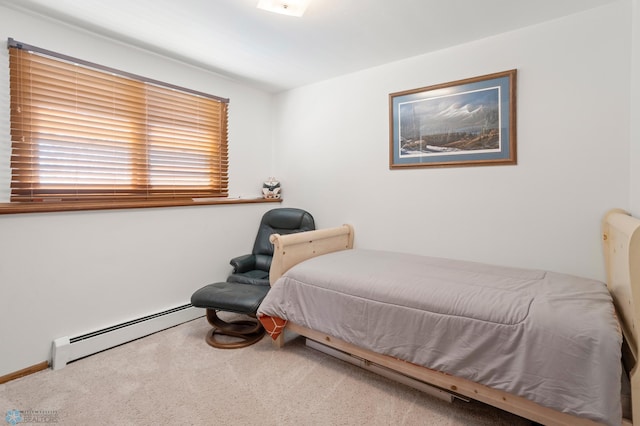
(231, 297)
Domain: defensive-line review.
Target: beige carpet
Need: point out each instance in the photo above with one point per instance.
(175, 378)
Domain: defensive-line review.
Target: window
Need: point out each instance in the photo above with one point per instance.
(85, 133)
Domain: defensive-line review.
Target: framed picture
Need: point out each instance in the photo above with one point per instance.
(468, 122)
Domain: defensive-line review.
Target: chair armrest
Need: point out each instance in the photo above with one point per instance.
(243, 263)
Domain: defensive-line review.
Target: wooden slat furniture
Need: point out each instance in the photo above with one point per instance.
(621, 242)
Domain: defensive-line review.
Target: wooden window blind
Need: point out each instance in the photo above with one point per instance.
(81, 132)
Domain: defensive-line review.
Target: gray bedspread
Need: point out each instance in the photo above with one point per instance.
(548, 337)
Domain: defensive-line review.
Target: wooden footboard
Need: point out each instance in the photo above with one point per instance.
(291, 249)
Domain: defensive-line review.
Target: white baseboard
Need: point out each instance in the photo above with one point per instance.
(65, 349)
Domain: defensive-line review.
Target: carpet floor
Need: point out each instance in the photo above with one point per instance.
(174, 378)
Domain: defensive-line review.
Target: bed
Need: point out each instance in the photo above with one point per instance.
(479, 331)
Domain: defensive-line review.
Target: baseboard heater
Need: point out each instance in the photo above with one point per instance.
(385, 372)
(66, 349)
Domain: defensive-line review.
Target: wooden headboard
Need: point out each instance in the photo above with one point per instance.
(621, 243)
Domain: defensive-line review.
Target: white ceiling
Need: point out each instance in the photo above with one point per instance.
(276, 52)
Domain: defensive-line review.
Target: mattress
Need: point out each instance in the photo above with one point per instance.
(551, 338)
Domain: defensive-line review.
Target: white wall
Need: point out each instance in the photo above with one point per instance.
(68, 273)
(63, 274)
(573, 150)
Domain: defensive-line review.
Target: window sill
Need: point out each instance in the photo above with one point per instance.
(47, 207)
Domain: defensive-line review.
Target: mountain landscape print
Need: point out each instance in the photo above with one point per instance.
(451, 124)
(469, 122)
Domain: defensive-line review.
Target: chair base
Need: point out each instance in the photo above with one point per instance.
(244, 332)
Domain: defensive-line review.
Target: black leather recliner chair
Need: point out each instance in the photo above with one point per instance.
(254, 268)
(249, 283)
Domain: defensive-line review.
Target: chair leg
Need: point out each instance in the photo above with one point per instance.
(247, 332)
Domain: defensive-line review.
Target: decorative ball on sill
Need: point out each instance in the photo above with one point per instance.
(271, 188)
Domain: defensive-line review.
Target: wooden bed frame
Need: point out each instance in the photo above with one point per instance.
(621, 243)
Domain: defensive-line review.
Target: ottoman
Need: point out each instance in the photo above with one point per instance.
(232, 297)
